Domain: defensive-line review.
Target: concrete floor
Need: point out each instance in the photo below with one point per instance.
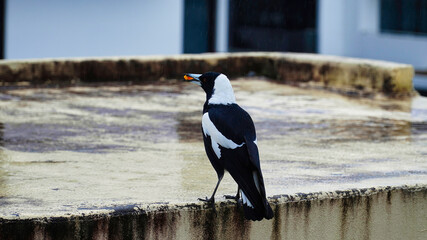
(93, 149)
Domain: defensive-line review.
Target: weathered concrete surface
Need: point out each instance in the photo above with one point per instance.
(375, 213)
(347, 75)
(359, 77)
(115, 160)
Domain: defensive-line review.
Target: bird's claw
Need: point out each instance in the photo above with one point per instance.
(210, 201)
(232, 197)
(206, 199)
(235, 198)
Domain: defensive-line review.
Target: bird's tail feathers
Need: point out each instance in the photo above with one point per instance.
(256, 213)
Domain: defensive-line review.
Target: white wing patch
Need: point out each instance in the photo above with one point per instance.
(215, 147)
(216, 136)
(246, 200)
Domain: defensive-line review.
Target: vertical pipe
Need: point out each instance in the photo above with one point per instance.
(222, 26)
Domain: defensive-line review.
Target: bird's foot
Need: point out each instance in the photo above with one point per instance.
(210, 201)
(234, 197)
(206, 199)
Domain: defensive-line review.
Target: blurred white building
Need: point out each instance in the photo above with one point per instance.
(63, 28)
(43, 28)
(354, 28)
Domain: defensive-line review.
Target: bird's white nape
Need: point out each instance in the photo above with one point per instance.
(222, 92)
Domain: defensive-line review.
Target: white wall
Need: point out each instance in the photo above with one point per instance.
(337, 27)
(398, 48)
(63, 28)
(330, 25)
(351, 28)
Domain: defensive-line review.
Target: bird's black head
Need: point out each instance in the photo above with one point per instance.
(216, 85)
(205, 80)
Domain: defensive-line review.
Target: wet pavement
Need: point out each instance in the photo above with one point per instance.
(91, 149)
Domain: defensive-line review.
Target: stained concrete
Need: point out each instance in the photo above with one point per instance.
(359, 77)
(374, 213)
(84, 159)
(91, 149)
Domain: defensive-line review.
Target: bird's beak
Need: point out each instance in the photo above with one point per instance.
(193, 78)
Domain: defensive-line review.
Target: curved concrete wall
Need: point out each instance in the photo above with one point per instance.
(384, 213)
(346, 75)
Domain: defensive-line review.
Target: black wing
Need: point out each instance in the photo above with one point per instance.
(242, 162)
(215, 161)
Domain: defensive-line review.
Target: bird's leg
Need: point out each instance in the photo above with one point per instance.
(211, 200)
(236, 197)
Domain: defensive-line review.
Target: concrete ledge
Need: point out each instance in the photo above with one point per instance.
(374, 213)
(346, 75)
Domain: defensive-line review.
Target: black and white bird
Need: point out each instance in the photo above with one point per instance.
(231, 144)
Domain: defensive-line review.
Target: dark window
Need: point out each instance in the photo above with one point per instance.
(404, 16)
(272, 25)
(2, 24)
(199, 26)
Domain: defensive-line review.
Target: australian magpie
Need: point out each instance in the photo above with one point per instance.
(231, 144)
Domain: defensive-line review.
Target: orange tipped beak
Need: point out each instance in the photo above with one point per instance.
(193, 78)
(188, 78)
